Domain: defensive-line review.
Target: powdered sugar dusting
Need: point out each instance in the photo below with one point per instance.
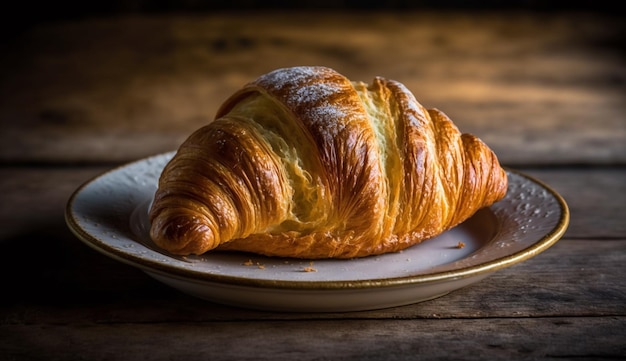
(294, 77)
(311, 90)
(313, 93)
(328, 111)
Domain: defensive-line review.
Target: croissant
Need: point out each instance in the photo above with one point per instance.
(304, 163)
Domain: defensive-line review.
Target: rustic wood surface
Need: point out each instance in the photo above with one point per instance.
(547, 91)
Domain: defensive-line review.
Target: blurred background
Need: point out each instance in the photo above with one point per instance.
(112, 81)
(23, 14)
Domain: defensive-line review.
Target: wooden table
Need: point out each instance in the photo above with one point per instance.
(546, 91)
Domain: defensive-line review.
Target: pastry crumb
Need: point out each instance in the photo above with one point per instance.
(252, 263)
(310, 268)
(460, 245)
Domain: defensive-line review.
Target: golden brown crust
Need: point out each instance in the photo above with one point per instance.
(304, 163)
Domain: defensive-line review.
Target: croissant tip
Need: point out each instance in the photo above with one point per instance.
(183, 235)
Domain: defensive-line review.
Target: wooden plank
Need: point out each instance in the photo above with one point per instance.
(34, 199)
(539, 88)
(582, 338)
(575, 278)
(72, 283)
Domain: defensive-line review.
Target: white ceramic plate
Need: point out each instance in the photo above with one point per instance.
(109, 214)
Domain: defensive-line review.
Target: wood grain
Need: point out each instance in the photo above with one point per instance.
(539, 88)
(584, 338)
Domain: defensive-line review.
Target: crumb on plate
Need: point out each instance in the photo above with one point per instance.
(310, 268)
